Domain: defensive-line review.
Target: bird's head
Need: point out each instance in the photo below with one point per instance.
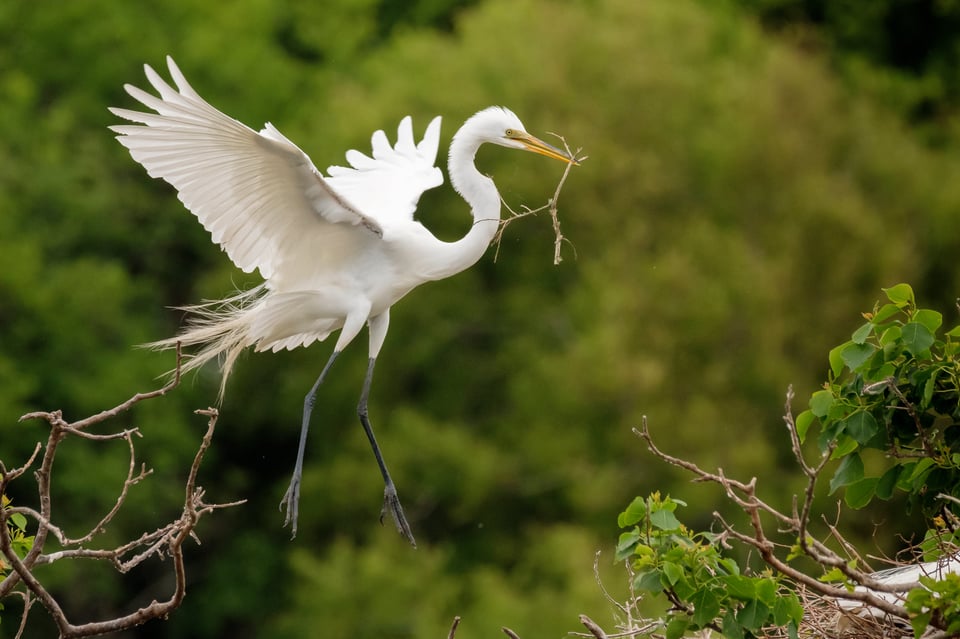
(499, 125)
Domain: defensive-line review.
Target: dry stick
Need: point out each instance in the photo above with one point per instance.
(551, 205)
(592, 626)
(27, 602)
(453, 627)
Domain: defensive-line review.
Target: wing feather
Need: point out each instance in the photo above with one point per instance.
(388, 185)
(256, 193)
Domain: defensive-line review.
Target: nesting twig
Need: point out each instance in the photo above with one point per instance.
(551, 206)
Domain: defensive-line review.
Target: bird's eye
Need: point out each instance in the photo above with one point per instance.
(511, 133)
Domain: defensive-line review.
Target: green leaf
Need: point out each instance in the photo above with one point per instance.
(731, 627)
(664, 520)
(861, 334)
(861, 426)
(836, 360)
(928, 388)
(648, 581)
(626, 543)
(787, 608)
(845, 446)
(676, 627)
(901, 294)
(19, 521)
(886, 312)
(850, 470)
(820, 403)
(730, 566)
(740, 587)
(706, 607)
(917, 338)
(636, 511)
(684, 588)
(954, 332)
(803, 422)
(833, 576)
(766, 591)
(891, 335)
(753, 615)
(859, 493)
(887, 482)
(929, 318)
(920, 622)
(672, 572)
(854, 355)
(917, 476)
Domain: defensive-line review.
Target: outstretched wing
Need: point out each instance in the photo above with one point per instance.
(257, 194)
(388, 185)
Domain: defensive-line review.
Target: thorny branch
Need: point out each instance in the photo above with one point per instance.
(165, 541)
(551, 205)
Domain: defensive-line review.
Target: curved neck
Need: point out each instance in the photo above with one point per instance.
(481, 194)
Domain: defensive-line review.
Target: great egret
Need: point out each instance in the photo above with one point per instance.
(335, 251)
(899, 580)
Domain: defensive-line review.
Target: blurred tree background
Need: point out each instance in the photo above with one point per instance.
(758, 170)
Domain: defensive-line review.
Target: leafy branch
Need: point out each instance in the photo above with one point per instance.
(894, 388)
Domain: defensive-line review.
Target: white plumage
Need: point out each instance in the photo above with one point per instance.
(336, 251)
(898, 582)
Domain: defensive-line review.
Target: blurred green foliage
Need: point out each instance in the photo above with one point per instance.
(740, 205)
(915, 44)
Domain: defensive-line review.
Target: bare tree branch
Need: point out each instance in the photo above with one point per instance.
(165, 541)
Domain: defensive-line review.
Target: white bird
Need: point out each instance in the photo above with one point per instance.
(335, 251)
(899, 581)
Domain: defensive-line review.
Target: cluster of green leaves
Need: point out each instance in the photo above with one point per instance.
(705, 589)
(20, 542)
(894, 388)
(937, 602)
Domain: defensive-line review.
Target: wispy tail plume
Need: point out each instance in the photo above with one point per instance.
(221, 330)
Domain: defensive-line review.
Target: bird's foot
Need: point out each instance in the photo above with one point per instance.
(291, 501)
(391, 504)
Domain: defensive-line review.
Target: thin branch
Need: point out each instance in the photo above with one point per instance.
(136, 399)
(603, 589)
(453, 627)
(592, 627)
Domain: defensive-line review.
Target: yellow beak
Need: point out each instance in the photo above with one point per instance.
(537, 145)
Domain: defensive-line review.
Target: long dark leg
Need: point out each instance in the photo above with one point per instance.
(391, 502)
(292, 497)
